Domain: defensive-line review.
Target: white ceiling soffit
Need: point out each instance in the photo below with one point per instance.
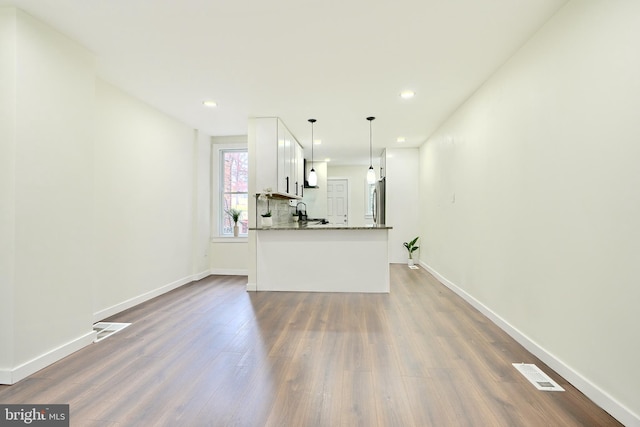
(336, 61)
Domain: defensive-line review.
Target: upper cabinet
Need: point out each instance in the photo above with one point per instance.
(299, 170)
(279, 157)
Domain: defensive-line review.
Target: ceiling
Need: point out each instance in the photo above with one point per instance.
(335, 61)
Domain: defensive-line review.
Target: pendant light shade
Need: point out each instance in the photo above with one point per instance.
(371, 174)
(313, 177)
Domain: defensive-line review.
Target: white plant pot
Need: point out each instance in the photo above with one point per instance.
(267, 221)
(410, 261)
(236, 230)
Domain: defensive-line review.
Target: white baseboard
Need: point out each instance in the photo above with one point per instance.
(230, 271)
(597, 395)
(12, 376)
(201, 275)
(5, 376)
(131, 302)
(252, 287)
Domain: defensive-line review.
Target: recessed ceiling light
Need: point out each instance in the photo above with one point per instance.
(209, 103)
(407, 94)
(327, 159)
(317, 141)
(400, 139)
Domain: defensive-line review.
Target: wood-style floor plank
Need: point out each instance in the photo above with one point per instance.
(212, 354)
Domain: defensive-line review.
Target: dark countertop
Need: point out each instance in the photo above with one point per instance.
(297, 227)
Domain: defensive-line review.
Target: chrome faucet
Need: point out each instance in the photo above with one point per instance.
(302, 215)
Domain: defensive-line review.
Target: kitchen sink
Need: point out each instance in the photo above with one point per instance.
(313, 221)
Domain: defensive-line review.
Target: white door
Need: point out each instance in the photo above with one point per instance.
(338, 201)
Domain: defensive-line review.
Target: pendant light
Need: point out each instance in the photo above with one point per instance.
(371, 174)
(313, 177)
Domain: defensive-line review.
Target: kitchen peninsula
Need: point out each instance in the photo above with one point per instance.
(303, 256)
(322, 258)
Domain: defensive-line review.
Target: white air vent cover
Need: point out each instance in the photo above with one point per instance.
(536, 377)
(106, 329)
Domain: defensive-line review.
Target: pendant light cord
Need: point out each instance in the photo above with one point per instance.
(312, 121)
(370, 147)
(371, 119)
(312, 145)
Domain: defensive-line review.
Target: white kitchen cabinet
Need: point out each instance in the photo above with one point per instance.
(280, 184)
(299, 170)
(278, 155)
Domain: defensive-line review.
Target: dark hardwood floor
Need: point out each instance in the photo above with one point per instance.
(212, 354)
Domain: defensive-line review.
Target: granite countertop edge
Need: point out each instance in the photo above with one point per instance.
(320, 227)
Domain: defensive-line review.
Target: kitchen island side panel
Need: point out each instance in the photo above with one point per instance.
(323, 260)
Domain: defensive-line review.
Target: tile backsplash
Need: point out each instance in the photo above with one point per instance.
(281, 212)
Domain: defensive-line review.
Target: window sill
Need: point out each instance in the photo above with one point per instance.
(230, 239)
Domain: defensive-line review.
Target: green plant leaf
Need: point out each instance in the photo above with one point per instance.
(234, 214)
(411, 246)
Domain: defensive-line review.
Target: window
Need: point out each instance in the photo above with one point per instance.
(234, 179)
(369, 189)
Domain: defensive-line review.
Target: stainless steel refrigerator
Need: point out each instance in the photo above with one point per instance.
(379, 202)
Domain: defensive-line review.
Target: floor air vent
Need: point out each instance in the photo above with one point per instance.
(536, 377)
(106, 329)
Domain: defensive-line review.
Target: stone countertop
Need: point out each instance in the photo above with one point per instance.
(297, 227)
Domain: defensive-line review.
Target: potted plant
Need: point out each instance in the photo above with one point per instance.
(267, 221)
(235, 216)
(411, 247)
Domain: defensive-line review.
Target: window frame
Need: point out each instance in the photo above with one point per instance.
(219, 186)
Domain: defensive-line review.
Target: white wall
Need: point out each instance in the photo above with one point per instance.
(402, 213)
(7, 183)
(230, 257)
(149, 218)
(105, 201)
(530, 200)
(48, 218)
(201, 204)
